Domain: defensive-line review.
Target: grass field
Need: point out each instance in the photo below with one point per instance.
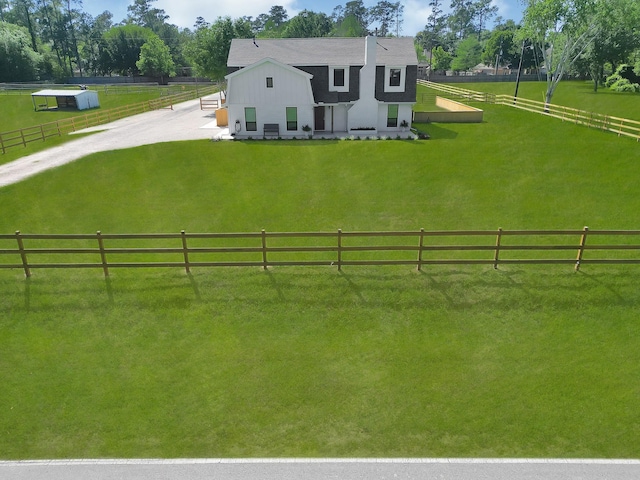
(453, 361)
(575, 94)
(17, 112)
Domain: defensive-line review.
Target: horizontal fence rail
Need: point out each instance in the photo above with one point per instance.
(338, 249)
(42, 132)
(617, 125)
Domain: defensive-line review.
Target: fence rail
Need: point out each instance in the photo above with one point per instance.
(339, 249)
(24, 136)
(617, 125)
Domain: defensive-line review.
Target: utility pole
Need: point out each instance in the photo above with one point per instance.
(515, 95)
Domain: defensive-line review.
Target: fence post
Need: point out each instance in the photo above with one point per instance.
(420, 245)
(264, 249)
(496, 256)
(24, 142)
(103, 255)
(42, 132)
(339, 249)
(23, 255)
(185, 252)
(583, 239)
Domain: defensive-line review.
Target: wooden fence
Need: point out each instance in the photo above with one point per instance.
(25, 136)
(338, 249)
(617, 125)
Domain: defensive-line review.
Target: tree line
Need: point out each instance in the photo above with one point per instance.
(56, 39)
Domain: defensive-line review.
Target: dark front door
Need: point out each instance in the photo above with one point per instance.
(319, 118)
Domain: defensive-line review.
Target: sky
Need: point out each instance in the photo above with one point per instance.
(183, 13)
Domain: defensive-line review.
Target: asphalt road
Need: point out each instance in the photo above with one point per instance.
(185, 122)
(323, 469)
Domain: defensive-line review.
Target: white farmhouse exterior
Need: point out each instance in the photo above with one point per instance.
(364, 86)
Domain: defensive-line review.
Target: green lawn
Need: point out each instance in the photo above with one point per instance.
(575, 94)
(18, 112)
(453, 361)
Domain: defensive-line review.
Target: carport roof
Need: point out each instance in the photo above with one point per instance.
(58, 93)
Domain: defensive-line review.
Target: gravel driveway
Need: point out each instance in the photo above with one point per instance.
(185, 122)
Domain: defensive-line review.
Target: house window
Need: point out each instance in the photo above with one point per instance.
(338, 79)
(269, 82)
(250, 119)
(292, 118)
(392, 116)
(394, 77)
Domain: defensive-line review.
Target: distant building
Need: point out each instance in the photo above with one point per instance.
(76, 99)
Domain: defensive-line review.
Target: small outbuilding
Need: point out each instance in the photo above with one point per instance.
(78, 99)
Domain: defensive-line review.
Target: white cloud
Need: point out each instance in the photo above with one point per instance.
(415, 17)
(184, 12)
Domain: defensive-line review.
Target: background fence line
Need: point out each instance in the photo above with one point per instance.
(41, 132)
(617, 125)
(268, 249)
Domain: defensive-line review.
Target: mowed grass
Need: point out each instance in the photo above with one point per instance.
(454, 361)
(577, 94)
(18, 112)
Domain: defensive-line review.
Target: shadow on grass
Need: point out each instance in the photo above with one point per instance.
(437, 131)
(282, 289)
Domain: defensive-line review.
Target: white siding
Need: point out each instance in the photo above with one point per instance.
(290, 89)
(404, 113)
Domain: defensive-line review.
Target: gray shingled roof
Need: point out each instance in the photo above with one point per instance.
(320, 51)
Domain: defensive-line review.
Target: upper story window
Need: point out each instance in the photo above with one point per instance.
(269, 82)
(338, 79)
(394, 79)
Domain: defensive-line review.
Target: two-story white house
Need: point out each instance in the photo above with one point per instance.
(364, 86)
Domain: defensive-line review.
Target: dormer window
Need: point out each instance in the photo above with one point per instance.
(394, 79)
(338, 79)
(269, 82)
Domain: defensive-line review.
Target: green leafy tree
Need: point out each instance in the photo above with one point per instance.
(563, 29)
(143, 14)
(468, 54)
(308, 24)
(121, 47)
(23, 13)
(460, 21)
(209, 49)
(18, 61)
(441, 60)
(278, 16)
(618, 34)
(483, 11)
(352, 20)
(91, 30)
(155, 59)
(388, 16)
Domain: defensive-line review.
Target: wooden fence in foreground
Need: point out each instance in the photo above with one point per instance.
(268, 249)
(24, 136)
(617, 125)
